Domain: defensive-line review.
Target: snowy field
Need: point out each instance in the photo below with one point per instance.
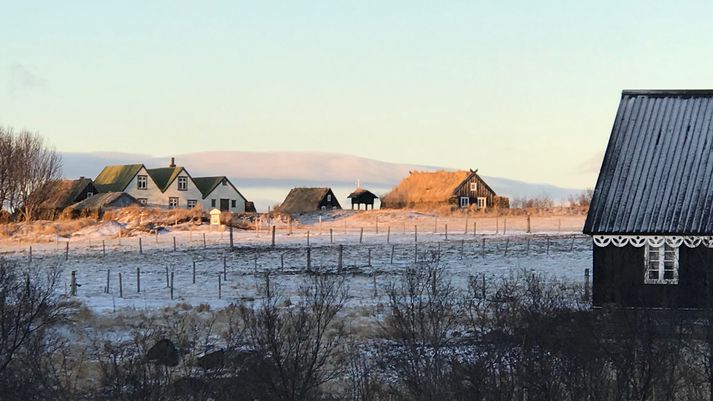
(370, 260)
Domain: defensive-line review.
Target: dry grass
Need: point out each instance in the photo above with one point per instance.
(424, 188)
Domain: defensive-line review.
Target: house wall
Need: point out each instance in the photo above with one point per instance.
(152, 193)
(618, 279)
(191, 192)
(225, 192)
(331, 204)
(482, 191)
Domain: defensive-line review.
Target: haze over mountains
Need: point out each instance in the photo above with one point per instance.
(266, 177)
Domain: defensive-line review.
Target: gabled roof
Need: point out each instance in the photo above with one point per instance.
(361, 192)
(63, 193)
(164, 176)
(207, 184)
(428, 187)
(116, 178)
(657, 173)
(304, 200)
(106, 200)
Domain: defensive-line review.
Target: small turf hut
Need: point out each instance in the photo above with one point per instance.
(308, 200)
(63, 193)
(361, 196)
(650, 218)
(436, 189)
(96, 205)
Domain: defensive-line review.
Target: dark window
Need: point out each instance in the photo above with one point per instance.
(183, 183)
(212, 203)
(172, 203)
(233, 203)
(141, 182)
(191, 203)
(224, 181)
(143, 201)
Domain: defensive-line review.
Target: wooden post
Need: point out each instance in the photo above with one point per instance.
(548, 245)
(529, 228)
(172, 285)
(141, 247)
(30, 256)
(204, 244)
(466, 223)
(571, 246)
(415, 233)
(559, 226)
(225, 268)
(168, 282)
(462, 245)
(66, 252)
(309, 259)
(307, 237)
(507, 242)
(369, 258)
(528, 246)
(388, 234)
(138, 279)
(220, 288)
(446, 229)
(282, 261)
(497, 225)
(174, 244)
(103, 248)
(273, 236)
(331, 235)
(505, 225)
(157, 236)
(194, 272)
(231, 235)
(341, 253)
(393, 248)
(475, 226)
(320, 226)
(121, 287)
(586, 284)
(376, 292)
(482, 248)
(438, 253)
(483, 287)
(361, 235)
(108, 273)
(415, 252)
(74, 283)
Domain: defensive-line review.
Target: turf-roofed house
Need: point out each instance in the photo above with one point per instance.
(218, 192)
(309, 200)
(651, 215)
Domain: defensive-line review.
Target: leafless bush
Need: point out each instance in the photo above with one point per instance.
(582, 199)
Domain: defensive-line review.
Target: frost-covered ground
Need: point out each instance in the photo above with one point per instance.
(95, 250)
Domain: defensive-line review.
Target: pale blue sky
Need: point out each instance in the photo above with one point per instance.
(524, 90)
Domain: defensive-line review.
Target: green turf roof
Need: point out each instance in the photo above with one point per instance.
(207, 184)
(164, 176)
(116, 178)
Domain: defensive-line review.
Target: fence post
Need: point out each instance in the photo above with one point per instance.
(388, 234)
(220, 288)
(340, 260)
(475, 226)
(529, 230)
(74, 283)
(320, 225)
(273, 236)
(466, 222)
(66, 252)
(168, 282)
(415, 233)
(571, 247)
(225, 268)
(586, 284)
(507, 242)
(141, 247)
(462, 245)
(108, 273)
(369, 259)
(204, 244)
(446, 228)
(138, 279)
(103, 248)
(528, 246)
(497, 225)
(548, 245)
(282, 261)
(393, 247)
(331, 235)
(559, 226)
(505, 225)
(30, 256)
(482, 248)
(361, 235)
(194, 272)
(231, 235)
(308, 238)
(121, 287)
(309, 259)
(172, 285)
(174, 244)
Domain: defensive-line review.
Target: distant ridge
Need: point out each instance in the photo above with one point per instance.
(284, 170)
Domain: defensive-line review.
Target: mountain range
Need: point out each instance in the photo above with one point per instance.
(266, 177)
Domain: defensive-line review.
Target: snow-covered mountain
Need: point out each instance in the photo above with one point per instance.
(266, 177)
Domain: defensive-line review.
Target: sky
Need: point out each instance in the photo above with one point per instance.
(524, 90)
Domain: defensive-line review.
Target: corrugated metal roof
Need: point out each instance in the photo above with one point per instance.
(657, 174)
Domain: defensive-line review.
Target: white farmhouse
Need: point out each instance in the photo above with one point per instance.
(132, 179)
(178, 190)
(219, 192)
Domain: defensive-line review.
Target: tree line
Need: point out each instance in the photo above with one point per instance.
(28, 166)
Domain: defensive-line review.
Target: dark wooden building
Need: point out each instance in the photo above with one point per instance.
(308, 200)
(651, 214)
(361, 196)
(434, 189)
(63, 193)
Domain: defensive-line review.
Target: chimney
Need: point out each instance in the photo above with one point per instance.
(173, 162)
(81, 178)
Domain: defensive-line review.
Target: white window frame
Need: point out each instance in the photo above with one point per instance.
(182, 183)
(191, 203)
(329, 197)
(464, 201)
(473, 187)
(90, 194)
(658, 261)
(482, 202)
(142, 182)
(143, 201)
(172, 202)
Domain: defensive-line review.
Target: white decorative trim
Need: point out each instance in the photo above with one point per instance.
(638, 241)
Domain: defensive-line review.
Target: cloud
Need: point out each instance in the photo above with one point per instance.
(22, 80)
(590, 165)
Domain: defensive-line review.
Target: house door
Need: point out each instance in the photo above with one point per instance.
(225, 205)
(464, 201)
